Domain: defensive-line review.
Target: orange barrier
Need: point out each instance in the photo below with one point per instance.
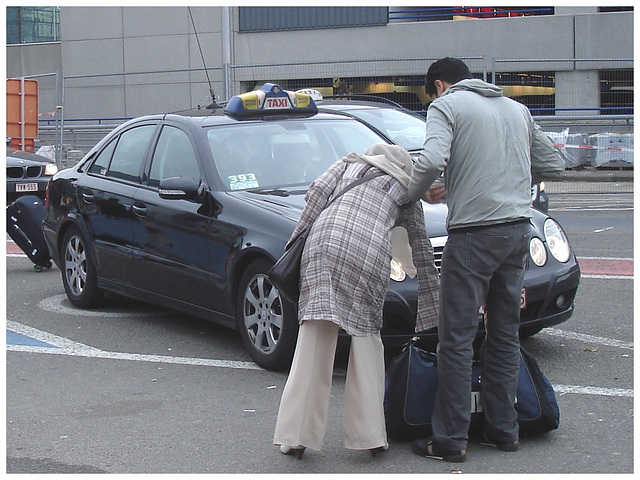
(22, 113)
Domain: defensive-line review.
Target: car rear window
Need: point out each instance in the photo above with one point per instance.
(402, 128)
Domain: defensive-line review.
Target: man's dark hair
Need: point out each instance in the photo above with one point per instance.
(450, 70)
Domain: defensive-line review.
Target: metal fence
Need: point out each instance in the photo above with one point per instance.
(588, 114)
(400, 79)
(570, 86)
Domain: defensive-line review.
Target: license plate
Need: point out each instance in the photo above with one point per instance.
(26, 187)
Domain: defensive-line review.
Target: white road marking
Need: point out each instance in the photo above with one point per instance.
(51, 339)
(626, 259)
(55, 305)
(95, 353)
(608, 277)
(613, 208)
(609, 342)
(608, 392)
(64, 346)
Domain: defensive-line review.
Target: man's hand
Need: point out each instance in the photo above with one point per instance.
(435, 194)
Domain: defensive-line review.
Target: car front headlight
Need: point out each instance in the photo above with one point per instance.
(557, 241)
(50, 169)
(537, 251)
(397, 272)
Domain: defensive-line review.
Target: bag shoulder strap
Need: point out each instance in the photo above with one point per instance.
(355, 183)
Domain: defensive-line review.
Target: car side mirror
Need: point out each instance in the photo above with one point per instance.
(178, 188)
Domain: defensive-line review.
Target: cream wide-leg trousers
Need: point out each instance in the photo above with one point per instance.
(302, 418)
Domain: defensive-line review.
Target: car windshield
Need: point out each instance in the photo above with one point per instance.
(284, 153)
(402, 128)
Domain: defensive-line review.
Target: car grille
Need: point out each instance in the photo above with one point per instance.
(24, 172)
(437, 256)
(438, 248)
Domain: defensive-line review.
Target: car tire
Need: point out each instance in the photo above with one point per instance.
(78, 271)
(266, 321)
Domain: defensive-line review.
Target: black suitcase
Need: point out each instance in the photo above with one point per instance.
(24, 225)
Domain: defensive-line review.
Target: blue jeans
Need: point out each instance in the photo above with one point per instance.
(480, 266)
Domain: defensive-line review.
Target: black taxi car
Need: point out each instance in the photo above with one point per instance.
(190, 211)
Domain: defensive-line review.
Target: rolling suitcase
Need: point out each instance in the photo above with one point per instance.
(24, 226)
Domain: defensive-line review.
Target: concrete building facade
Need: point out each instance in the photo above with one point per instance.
(116, 62)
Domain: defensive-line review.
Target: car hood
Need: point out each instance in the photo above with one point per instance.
(21, 162)
(18, 157)
(290, 206)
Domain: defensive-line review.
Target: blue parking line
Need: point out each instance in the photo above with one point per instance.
(19, 339)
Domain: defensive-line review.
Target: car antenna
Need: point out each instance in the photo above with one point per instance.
(213, 95)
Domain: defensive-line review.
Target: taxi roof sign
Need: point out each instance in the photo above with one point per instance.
(270, 99)
(315, 95)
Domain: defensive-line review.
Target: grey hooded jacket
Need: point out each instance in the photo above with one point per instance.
(490, 150)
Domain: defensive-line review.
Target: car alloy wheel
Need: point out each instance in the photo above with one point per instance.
(78, 271)
(263, 315)
(266, 321)
(75, 265)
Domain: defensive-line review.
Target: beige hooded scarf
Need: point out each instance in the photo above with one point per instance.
(391, 159)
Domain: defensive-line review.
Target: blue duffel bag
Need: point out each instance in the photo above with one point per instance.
(536, 403)
(412, 381)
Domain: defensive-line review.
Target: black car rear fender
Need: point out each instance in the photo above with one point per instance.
(71, 222)
(246, 258)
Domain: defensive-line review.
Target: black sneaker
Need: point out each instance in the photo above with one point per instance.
(505, 447)
(425, 448)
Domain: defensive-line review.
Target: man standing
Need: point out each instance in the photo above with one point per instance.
(488, 146)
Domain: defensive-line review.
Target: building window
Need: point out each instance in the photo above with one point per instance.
(426, 14)
(495, 12)
(616, 92)
(270, 19)
(33, 24)
(615, 9)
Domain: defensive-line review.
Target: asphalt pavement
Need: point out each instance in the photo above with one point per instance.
(131, 388)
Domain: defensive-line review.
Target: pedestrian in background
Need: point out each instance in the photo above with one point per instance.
(344, 277)
(487, 145)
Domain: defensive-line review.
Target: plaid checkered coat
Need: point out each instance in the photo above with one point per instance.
(346, 261)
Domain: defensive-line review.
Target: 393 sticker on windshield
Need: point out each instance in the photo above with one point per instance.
(242, 181)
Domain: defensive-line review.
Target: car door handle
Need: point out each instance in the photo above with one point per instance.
(140, 210)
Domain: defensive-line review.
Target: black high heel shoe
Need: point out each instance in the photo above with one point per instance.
(298, 450)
